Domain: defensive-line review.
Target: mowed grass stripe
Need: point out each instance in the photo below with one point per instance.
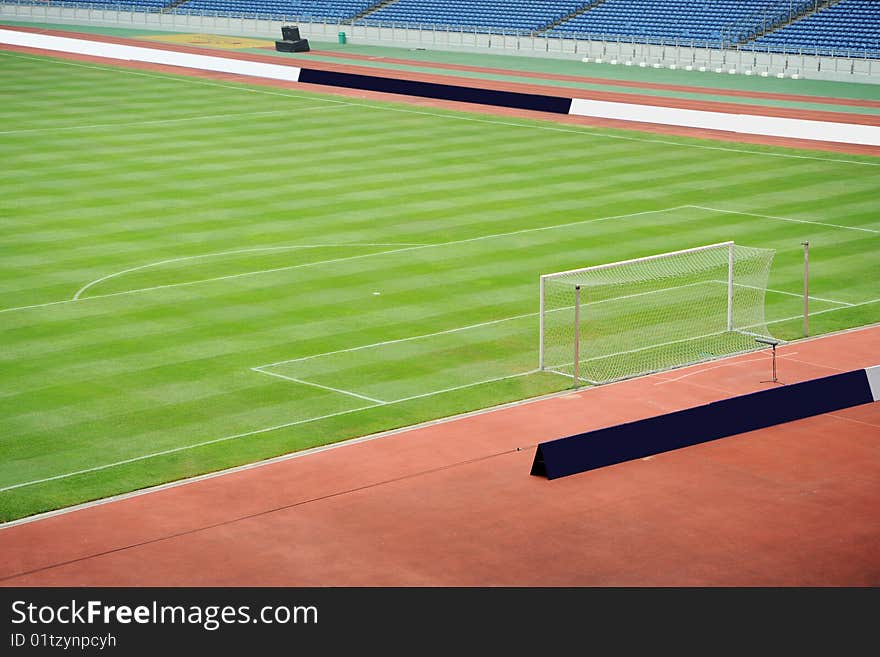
(115, 378)
(226, 200)
(305, 277)
(342, 297)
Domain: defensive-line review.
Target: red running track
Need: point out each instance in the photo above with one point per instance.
(452, 504)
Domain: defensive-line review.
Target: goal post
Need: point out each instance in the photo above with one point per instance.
(622, 319)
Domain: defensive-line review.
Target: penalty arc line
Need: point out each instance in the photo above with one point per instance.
(349, 258)
(218, 254)
(411, 247)
(77, 297)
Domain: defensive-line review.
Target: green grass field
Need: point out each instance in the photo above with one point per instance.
(196, 275)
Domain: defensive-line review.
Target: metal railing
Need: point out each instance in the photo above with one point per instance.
(608, 47)
(767, 19)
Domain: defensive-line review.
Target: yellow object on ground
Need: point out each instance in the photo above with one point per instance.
(211, 40)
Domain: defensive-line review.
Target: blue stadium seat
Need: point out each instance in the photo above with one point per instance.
(668, 20)
(843, 26)
(519, 15)
(848, 27)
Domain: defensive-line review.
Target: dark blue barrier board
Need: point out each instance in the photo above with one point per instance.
(728, 417)
(493, 97)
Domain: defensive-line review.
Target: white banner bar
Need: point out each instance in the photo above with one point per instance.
(771, 126)
(150, 55)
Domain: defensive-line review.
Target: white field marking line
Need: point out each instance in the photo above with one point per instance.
(587, 132)
(605, 135)
(791, 294)
(661, 370)
(563, 374)
(35, 305)
(465, 385)
(458, 329)
(671, 342)
(213, 441)
(715, 367)
(395, 341)
(283, 457)
(134, 124)
(852, 419)
(812, 338)
(226, 253)
(428, 246)
(803, 362)
(361, 439)
(822, 312)
(709, 335)
(757, 335)
(651, 346)
(379, 402)
(449, 116)
(797, 221)
(349, 258)
(174, 450)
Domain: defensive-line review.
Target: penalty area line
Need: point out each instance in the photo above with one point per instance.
(254, 432)
(322, 387)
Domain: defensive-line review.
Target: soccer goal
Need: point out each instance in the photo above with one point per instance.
(622, 319)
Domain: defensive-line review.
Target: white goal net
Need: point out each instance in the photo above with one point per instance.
(618, 320)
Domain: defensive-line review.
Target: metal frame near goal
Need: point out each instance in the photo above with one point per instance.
(636, 316)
